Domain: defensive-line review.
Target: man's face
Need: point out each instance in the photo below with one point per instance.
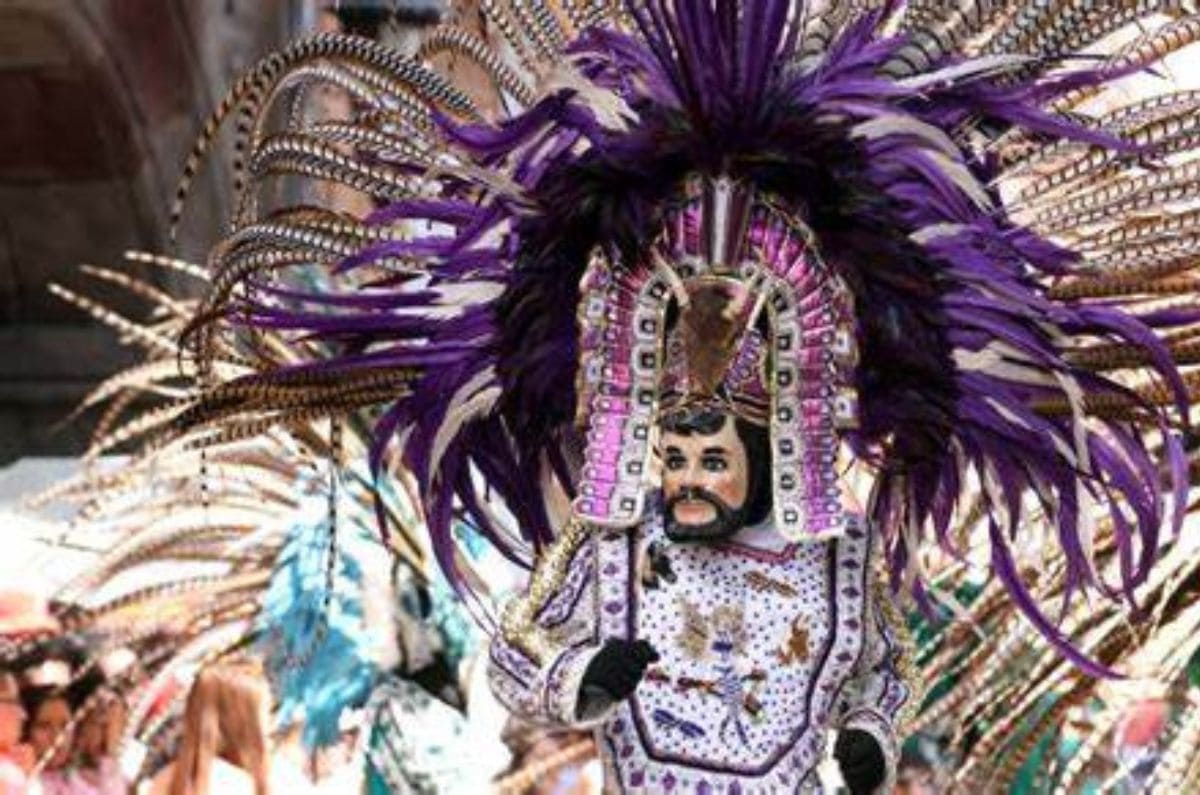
(91, 734)
(12, 714)
(705, 482)
(51, 719)
(915, 781)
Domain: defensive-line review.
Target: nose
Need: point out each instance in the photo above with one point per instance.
(691, 479)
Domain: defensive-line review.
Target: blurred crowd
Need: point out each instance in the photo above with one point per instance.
(61, 720)
(66, 710)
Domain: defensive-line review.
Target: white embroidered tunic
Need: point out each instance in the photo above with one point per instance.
(764, 646)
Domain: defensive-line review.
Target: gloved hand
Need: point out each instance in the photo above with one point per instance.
(616, 670)
(861, 761)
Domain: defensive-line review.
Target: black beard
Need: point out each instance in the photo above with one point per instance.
(724, 524)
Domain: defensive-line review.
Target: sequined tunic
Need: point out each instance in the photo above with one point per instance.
(764, 646)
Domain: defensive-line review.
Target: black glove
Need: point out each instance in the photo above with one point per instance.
(861, 761)
(616, 669)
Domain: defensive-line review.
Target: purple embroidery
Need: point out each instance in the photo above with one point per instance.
(684, 727)
(555, 686)
(558, 611)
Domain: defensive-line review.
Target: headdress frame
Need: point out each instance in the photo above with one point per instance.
(719, 231)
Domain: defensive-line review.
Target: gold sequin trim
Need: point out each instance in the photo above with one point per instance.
(519, 624)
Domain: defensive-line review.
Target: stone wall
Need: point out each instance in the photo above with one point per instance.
(99, 104)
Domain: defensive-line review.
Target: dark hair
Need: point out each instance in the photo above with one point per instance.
(69, 649)
(34, 698)
(83, 687)
(755, 438)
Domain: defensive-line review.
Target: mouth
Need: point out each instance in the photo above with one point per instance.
(694, 512)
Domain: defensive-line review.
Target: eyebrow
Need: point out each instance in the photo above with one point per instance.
(715, 451)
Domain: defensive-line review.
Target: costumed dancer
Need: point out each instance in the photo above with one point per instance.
(715, 641)
(892, 235)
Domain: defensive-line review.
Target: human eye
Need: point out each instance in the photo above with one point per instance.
(715, 463)
(675, 462)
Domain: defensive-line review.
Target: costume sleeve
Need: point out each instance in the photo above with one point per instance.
(876, 698)
(549, 690)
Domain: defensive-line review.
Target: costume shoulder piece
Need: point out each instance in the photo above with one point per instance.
(927, 232)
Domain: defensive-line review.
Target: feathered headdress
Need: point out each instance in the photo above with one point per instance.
(1010, 316)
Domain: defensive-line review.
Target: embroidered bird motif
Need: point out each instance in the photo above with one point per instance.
(795, 648)
(722, 631)
(761, 582)
(694, 633)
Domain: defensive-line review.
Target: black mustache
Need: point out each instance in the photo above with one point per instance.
(700, 494)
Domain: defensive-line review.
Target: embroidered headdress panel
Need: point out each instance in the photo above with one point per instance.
(732, 310)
